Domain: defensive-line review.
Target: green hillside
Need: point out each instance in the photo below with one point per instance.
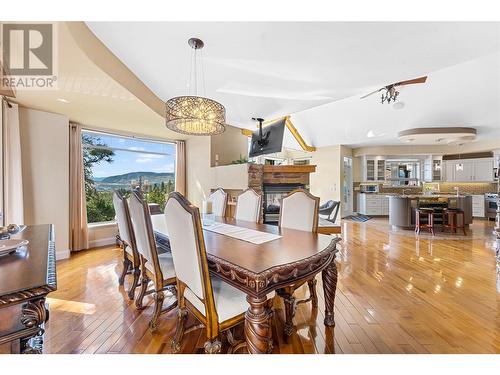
(152, 177)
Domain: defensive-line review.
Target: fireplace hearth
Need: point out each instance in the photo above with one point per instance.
(273, 193)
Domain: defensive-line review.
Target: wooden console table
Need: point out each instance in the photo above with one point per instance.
(25, 280)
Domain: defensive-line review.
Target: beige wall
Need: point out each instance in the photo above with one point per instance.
(45, 162)
(326, 181)
(230, 145)
(357, 172)
(198, 171)
(230, 177)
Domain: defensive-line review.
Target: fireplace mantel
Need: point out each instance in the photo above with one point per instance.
(259, 174)
(289, 168)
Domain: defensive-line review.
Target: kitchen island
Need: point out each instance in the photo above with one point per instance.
(402, 207)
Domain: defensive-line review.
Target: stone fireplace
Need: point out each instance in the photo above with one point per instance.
(274, 182)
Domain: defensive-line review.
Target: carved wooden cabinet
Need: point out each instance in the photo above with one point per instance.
(26, 277)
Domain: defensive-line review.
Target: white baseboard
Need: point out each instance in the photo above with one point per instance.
(102, 242)
(62, 254)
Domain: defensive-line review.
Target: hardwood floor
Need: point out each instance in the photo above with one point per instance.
(396, 294)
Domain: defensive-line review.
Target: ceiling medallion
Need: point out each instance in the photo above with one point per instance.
(194, 114)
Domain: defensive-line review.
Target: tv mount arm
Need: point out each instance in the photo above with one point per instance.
(263, 140)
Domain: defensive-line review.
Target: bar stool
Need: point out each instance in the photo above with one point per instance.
(429, 213)
(451, 215)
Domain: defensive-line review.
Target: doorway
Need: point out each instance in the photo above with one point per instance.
(347, 198)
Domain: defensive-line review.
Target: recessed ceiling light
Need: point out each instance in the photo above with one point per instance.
(62, 100)
(370, 134)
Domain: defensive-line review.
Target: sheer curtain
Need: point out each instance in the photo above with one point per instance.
(180, 170)
(79, 236)
(13, 208)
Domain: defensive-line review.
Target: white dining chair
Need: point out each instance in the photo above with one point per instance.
(131, 258)
(299, 211)
(216, 304)
(156, 268)
(219, 202)
(249, 206)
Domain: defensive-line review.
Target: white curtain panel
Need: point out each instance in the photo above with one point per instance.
(12, 167)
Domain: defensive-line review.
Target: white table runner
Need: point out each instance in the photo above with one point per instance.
(244, 234)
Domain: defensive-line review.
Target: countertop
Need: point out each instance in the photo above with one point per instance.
(415, 196)
(423, 196)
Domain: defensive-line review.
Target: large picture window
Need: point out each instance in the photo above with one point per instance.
(113, 162)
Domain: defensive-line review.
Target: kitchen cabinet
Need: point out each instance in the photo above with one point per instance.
(370, 170)
(380, 170)
(478, 206)
(449, 171)
(470, 170)
(432, 169)
(373, 204)
(483, 170)
(373, 169)
(464, 170)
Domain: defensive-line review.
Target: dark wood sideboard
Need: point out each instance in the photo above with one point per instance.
(26, 278)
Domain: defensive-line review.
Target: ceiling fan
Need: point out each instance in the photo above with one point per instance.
(391, 94)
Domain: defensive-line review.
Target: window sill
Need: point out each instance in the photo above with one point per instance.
(102, 224)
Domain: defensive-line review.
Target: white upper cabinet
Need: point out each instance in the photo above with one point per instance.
(373, 169)
(464, 170)
(470, 170)
(433, 169)
(483, 170)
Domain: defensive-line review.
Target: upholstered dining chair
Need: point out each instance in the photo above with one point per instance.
(217, 305)
(156, 268)
(219, 202)
(131, 257)
(249, 206)
(299, 211)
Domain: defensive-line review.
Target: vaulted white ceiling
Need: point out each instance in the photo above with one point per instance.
(318, 71)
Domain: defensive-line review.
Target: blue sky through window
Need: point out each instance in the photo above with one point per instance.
(149, 156)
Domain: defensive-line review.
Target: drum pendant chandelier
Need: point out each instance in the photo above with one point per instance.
(195, 115)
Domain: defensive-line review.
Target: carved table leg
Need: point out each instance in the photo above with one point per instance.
(329, 276)
(34, 314)
(258, 330)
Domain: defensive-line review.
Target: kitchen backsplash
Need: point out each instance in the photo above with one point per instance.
(473, 188)
(468, 188)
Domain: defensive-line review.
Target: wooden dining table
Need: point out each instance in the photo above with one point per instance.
(258, 269)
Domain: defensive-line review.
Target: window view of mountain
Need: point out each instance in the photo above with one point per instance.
(124, 181)
(124, 164)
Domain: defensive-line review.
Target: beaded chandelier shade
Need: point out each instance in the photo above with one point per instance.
(195, 115)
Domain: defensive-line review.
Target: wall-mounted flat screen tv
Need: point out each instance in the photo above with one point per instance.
(269, 140)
